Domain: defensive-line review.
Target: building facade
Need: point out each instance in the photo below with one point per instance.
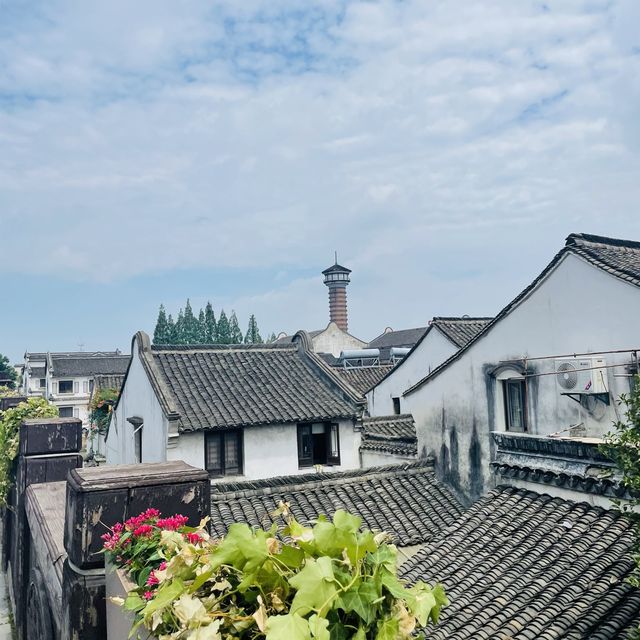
(252, 411)
(67, 379)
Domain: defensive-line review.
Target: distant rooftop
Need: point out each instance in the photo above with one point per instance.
(460, 330)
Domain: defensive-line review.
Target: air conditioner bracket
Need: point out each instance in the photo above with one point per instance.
(577, 397)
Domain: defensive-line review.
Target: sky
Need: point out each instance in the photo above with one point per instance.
(158, 150)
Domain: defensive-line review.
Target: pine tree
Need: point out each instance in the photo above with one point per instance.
(253, 334)
(191, 334)
(236, 333)
(171, 331)
(179, 333)
(210, 329)
(161, 332)
(224, 329)
(272, 337)
(202, 328)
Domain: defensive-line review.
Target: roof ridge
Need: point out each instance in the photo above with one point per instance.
(394, 416)
(580, 239)
(195, 348)
(461, 318)
(310, 480)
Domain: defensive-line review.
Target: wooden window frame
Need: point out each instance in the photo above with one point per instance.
(333, 454)
(396, 406)
(521, 382)
(222, 436)
(66, 393)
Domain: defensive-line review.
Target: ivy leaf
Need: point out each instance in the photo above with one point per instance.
(292, 557)
(421, 602)
(393, 585)
(314, 586)
(288, 627)
(388, 629)
(360, 634)
(360, 599)
(241, 549)
(165, 595)
(346, 522)
(133, 602)
(319, 627)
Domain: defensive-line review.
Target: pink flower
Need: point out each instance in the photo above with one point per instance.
(193, 538)
(163, 566)
(173, 523)
(147, 595)
(144, 530)
(152, 581)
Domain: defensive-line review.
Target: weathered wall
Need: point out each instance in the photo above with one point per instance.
(380, 459)
(333, 340)
(577, 309)
(433, 350)
(138, 399)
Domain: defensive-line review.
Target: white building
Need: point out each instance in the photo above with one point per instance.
(66, 379)
(330, 340)
(435, 343)
(519, 373)
(256, 411)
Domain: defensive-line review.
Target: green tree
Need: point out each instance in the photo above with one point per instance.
(8, 374)
(179, 333)
(224, 329)
(234, 327)
(210, 328)
(202, 328)
(191, 331)
(9, 437)
(272, 337)
(253, 334)
(171, 330)
(161, 332)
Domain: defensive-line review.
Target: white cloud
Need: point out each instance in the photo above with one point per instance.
(264, 134)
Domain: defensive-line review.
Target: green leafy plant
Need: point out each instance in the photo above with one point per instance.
(331, 581)
(100, 408)
(9, 437)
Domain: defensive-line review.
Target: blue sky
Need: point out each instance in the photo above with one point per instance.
(159, 150)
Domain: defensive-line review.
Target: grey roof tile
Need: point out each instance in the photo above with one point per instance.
(525, 566)
(460, 330)
(102, 382)
(363, 378)
(225, 386)
(395, 435)
(70, 366)
(406, 501)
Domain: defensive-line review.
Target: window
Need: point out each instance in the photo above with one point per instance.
(137, 443)
(515, 404)
(223, 453)
(43, 383)
(396, 406)
(65, 386)
(85, 386)
(318, 443)
(65, 412)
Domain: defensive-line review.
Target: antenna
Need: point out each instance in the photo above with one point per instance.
(81, 345)
(336, 257)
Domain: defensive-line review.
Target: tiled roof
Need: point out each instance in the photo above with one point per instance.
(400, 338)
(88, 365)
(522, 566)
(225, 386)
(108, 382)
(461, 330)
(37, 372)
(363, 378)
(406, 501)
(620, 258)
(395, 435)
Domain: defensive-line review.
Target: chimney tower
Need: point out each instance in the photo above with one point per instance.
(336, 278)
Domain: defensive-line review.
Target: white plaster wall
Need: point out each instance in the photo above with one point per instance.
(137, 399)
(273, 451)
(190, 448)
(379, 459)
(432, 351)
(333, 340)
(577, 309)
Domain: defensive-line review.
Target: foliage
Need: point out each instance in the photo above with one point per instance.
(202, 328)
(8, 374)
(161, 333)
(6, 392)
(253, 334)
(10, 421)
(224, 330)
(234, 329)
(329, 581)
(272, 337)
(101, 407)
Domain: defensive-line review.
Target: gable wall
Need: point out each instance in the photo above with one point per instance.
(431, 352)
(577, 309)
(137, 399)
(333, 340)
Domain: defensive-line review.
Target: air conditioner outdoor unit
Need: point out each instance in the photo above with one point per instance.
(582, 375)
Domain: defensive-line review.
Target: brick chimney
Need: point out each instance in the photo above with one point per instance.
(336, 278)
